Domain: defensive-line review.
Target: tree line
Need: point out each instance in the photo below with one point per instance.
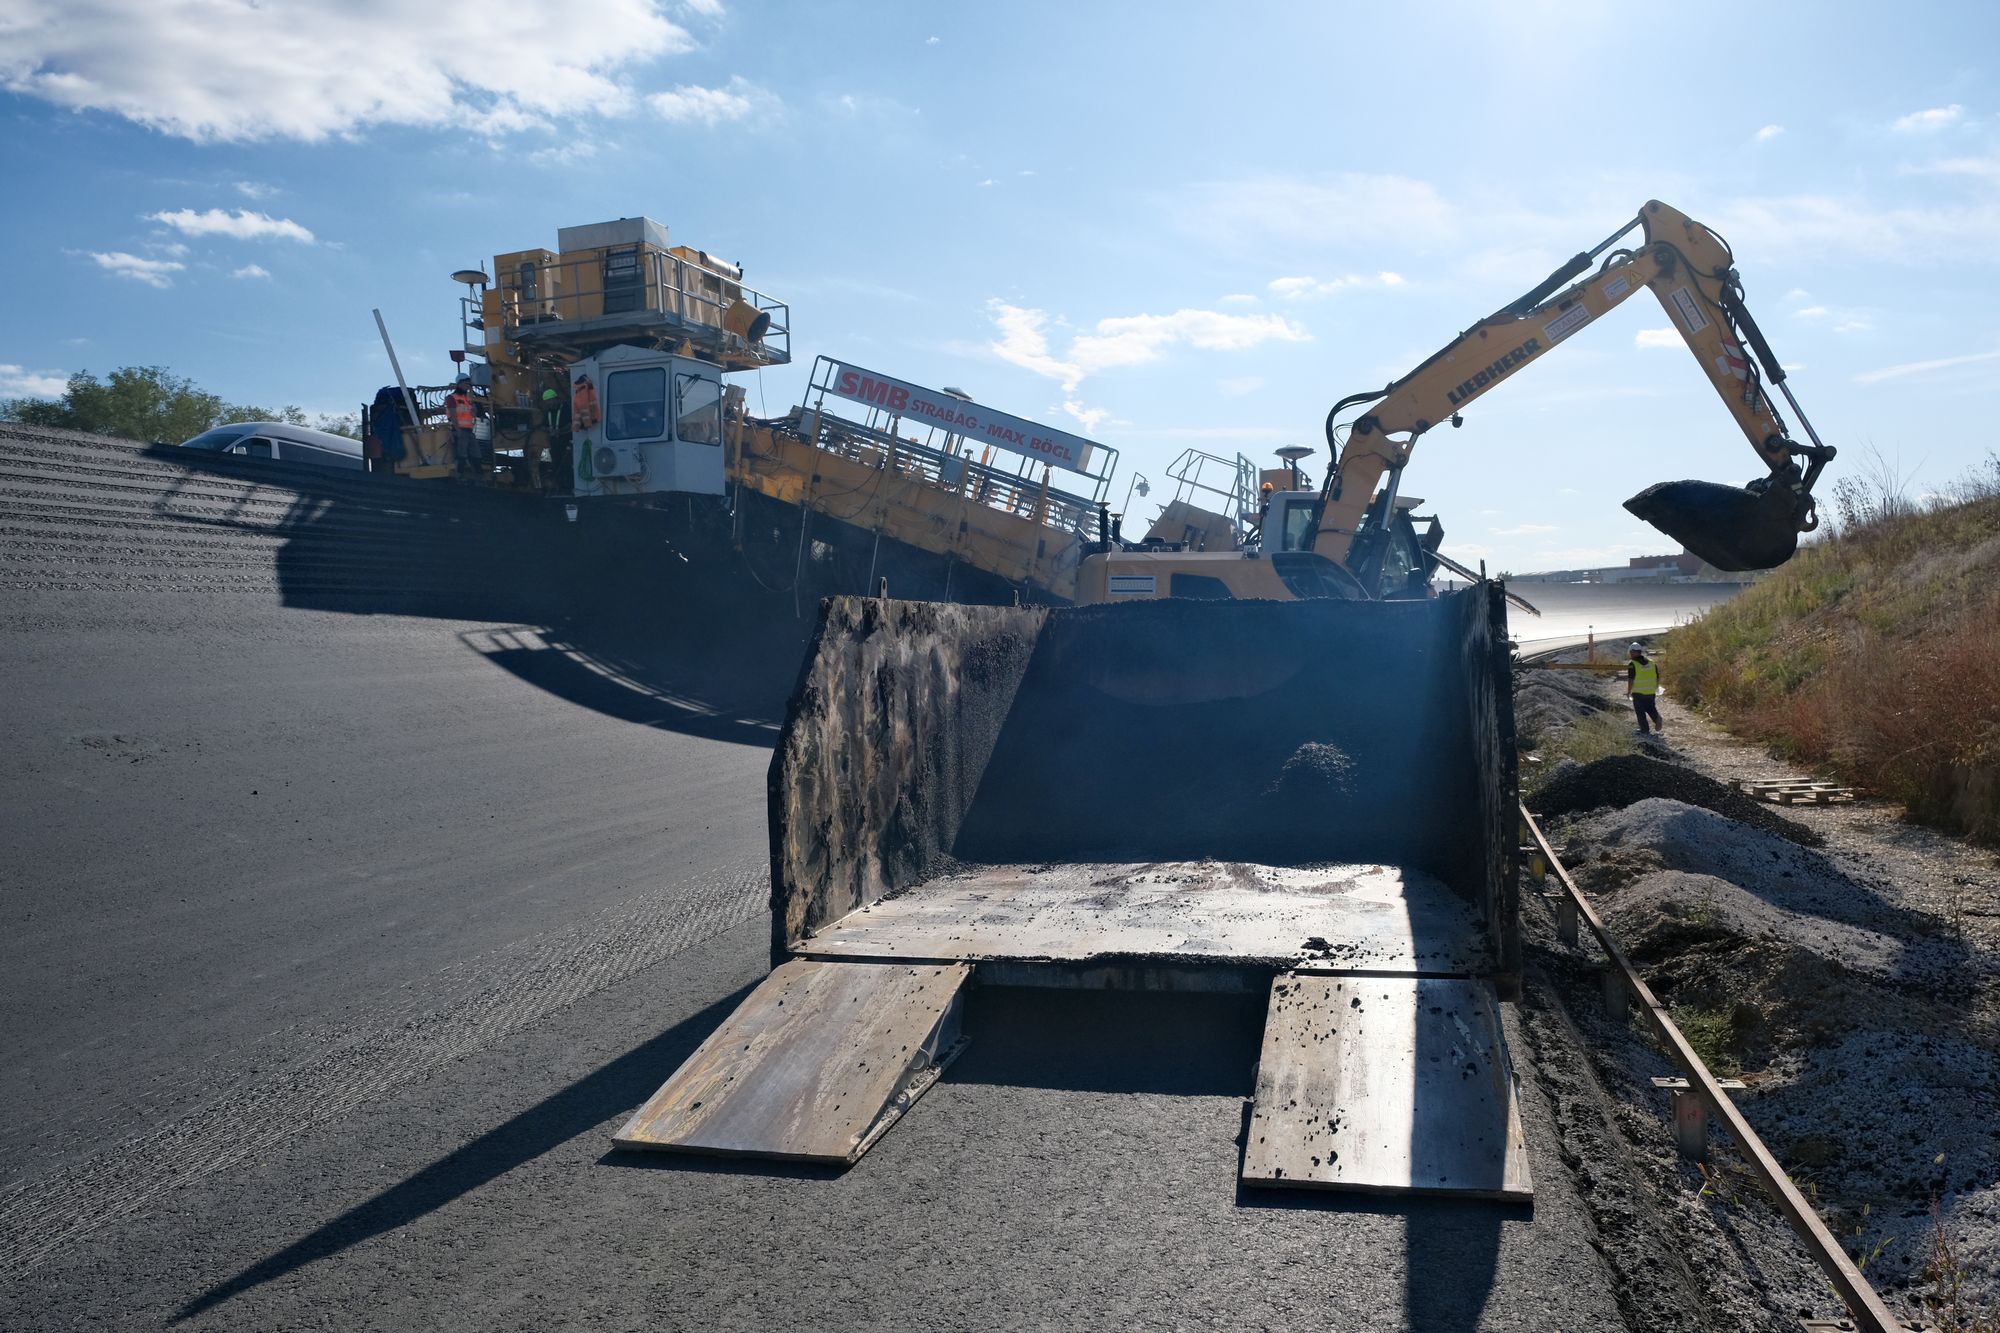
(152, 403)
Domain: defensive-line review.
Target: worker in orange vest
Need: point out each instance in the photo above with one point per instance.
(459, 411)
(583, 402)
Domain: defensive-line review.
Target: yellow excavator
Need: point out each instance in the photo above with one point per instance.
(1343, 540)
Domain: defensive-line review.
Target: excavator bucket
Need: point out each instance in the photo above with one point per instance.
(1731, 527)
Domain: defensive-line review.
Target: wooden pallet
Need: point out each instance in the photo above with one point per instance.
(1789, 791)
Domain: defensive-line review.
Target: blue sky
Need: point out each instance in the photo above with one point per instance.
(1163, 226)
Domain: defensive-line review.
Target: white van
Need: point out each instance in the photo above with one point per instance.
(276, 439)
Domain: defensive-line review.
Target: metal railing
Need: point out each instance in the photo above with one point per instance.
(1197, 473)
(570, 297)
(947, 470)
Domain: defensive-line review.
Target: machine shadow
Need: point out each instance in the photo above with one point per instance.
(1178, 1044)
(609, 615)
(1451, 1247)
(622, 1084)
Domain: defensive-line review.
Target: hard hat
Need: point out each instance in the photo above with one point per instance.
(548, 394)
(1638, 648)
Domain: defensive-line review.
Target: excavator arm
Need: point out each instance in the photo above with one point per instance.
(1691, 271)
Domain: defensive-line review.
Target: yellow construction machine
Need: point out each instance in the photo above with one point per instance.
(1345, 540)
(595, 373)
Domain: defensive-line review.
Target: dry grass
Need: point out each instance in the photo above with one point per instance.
(1946, 1306)
(1875, 654)
(1592, 737)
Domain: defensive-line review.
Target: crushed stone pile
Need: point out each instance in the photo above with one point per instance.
(1670, 913)
(1316, 770)
(1899, 1116)
(1658, 834)
(1622, 780)
(1549, 702)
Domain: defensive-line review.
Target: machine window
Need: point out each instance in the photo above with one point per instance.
(1402, 563)
(635, 404)
(219, 438)
(1201, 587)
(1298, 527)
(698, 407)
(259, 448)
(1310, 575)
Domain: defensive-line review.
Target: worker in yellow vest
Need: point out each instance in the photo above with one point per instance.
(1642, 687)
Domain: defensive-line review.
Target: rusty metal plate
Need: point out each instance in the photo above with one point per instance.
(813, 1066)
(1387, 1085)
(1336, 918)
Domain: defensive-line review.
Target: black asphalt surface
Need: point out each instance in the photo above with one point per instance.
(338, 941)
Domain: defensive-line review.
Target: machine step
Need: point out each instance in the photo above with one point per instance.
(813, 1066)
(1394, 1085)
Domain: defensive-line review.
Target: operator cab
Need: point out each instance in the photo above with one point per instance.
(646, 421)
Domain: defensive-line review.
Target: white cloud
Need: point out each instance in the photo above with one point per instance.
(564, 154)
(1768, 133)
(1924, 122)
(1238, 385)
(1798, 294)
(251, 271)
(223, 70)
(1665, 337)
(1239, 298)
(1525, 530)
(1979, 168)
(255, 189)
(692, 105)
(1131, 340)
(20, 382)
(1910, 368)
(1127, 340)
(152, 272)
(708, 9)
(1835, 321)
(1298, 288)
(242, 225)
(1089, 418)
(932, 41)
(1024, 342)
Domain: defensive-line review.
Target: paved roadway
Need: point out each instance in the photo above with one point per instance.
(1615, 612)
(337, 944)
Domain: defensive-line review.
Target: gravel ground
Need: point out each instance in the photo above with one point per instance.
(1624, 779)
(1856, 985)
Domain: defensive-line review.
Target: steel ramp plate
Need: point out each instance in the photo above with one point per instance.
(1388, 1085)
(813, 1066)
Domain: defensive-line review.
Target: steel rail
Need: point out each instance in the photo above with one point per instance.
(1863, 1303)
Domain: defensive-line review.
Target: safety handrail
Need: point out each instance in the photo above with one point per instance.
(978, 482)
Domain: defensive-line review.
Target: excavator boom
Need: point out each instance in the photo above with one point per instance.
(1690, 270)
